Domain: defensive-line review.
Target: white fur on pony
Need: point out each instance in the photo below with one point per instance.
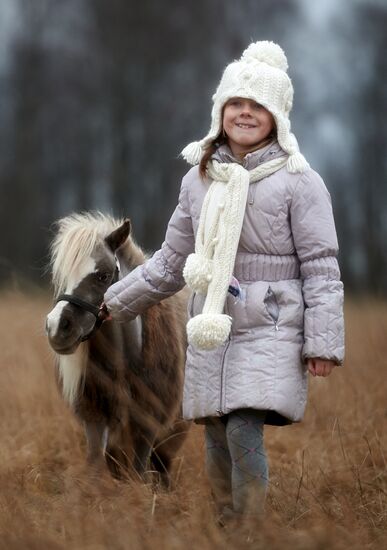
(76, 276)
(76, 239)
(54, 317)
(85, 268)
(71, 371)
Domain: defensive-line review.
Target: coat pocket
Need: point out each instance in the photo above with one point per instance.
(290, 304)
(272, 306)
(260, 307)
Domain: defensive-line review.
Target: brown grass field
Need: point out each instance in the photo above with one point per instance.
(328, 484)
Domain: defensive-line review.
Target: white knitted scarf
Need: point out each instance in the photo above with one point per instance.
(209, 270)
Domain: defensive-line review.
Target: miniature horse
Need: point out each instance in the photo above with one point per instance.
(122, 380)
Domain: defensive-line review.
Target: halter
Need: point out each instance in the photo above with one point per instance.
(87, 306)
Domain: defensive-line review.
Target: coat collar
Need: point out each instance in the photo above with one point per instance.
(251, 160)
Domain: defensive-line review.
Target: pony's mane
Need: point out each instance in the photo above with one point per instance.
(76, 238)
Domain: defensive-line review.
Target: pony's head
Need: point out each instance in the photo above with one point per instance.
(84, 264)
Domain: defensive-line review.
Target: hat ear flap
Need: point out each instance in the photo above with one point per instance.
(288, 100)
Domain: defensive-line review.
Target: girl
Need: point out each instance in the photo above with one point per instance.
(253, 236)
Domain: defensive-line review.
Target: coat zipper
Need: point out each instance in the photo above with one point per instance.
(221, 404)
(220, 410)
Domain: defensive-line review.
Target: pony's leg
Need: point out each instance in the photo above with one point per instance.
(166, 449)
(117, 461)
(142, 446)
(117, 452)
(96, 435)
(161, 462)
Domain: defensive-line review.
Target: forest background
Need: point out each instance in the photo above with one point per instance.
(98, 98)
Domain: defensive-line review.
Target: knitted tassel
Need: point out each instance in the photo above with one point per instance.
(297, 163)
(192, 153)
(208, 331)
(197, 272)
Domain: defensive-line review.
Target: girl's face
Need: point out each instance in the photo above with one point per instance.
(246, 124)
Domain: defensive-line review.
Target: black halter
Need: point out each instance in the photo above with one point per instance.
(76, 301)
(87, 306)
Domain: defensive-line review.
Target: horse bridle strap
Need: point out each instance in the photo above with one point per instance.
(79, 302)
(87, 306)
(74, 300)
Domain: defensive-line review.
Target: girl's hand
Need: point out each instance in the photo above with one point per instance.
(320, 367)
(104, 313)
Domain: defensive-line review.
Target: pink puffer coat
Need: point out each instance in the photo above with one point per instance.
(292, 298)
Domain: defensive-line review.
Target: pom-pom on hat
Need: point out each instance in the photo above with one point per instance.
(260, 75)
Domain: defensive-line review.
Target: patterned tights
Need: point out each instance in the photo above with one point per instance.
(236, 460)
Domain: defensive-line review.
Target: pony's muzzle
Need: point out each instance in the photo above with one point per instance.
(63, 332)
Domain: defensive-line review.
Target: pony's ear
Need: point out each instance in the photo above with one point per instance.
(118, 236)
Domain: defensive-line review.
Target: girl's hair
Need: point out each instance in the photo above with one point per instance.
(208, 152)
(221, 140)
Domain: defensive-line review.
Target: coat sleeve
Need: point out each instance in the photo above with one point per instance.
(161, 275)
(316, 244)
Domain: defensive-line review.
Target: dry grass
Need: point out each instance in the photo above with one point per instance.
(328, 474)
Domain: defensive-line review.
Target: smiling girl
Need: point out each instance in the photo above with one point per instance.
(246, 124)
(254, 238)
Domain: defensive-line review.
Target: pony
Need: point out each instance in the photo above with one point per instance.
(122, 380)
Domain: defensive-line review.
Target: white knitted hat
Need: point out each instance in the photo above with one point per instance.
(260, 75)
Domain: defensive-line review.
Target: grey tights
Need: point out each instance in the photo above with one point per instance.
(236, 460)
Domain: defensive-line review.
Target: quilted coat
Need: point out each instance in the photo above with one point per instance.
(291, 305)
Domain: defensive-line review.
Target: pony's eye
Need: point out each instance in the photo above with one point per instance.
(103, 277)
